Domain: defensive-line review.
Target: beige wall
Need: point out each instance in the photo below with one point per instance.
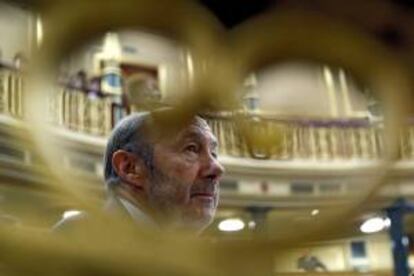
(379, 252)
(301, 89)
(293, 89)
(15, 31)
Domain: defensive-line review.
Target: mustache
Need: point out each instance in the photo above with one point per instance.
(205, 187)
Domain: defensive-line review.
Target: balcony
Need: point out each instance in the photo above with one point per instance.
(268, 140)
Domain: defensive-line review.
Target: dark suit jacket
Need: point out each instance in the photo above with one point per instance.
(85, 221)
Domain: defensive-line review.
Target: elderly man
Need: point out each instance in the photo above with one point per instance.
(163, 174)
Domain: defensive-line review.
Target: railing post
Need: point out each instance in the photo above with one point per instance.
(81, 110)
(363, 141)
(372, 136)
(295, 143)
(334, 141)
(312, 142)
(107, 109)
(59, 106)
(411, 142)
(12, 93)
(232, 139)
(380, 136)
(2, 90)
(404, 143)
(222, 136)
(6, 92)
(286, 153)
(65, 110)
(354, 143)
(96, 127)
(323, 143)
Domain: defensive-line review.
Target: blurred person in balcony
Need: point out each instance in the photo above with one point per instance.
(310, 263)
(161, 174)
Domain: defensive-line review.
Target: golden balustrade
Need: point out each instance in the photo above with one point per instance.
(11, 87)
(407, 142)
(296, 139)
(81, 111)
(240, 134)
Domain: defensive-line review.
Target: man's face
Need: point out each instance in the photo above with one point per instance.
(184, 186)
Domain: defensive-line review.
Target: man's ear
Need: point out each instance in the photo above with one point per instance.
(129, 168)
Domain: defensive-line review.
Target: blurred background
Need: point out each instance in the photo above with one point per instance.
(305, 144)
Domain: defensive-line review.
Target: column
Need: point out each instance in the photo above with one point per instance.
(330, 89)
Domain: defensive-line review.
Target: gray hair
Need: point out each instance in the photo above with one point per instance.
(137, 134)
(130, 134)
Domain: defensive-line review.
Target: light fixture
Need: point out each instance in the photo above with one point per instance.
(71, 213)
(387, 222)
(251, 224)
(375, 224)
(231, 225)
(315, 212)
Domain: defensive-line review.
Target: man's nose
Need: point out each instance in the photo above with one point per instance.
(213, 170)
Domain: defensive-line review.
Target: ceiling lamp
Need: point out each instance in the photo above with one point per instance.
(315, 212)
(71, 213)
(375, 224)
(231, 225)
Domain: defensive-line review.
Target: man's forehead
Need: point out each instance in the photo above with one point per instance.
(200, 123)
(197, 127)
(194, 128)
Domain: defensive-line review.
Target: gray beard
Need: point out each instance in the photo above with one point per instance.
(169, 212)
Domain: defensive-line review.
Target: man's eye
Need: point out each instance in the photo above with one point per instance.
(192, 148)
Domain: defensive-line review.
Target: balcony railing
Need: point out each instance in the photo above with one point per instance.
(407, 141)
(240, 134)
(11, 87)
(247, 135)
(82, 112)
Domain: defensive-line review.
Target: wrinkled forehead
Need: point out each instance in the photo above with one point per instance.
(195, 127)
(197, 131)
(200, 123)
